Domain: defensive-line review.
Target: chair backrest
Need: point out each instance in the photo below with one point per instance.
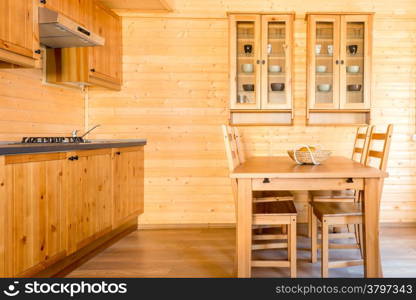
(230, 147)
(378, 152)
(362, 138)
(240, 145)
(379, 148)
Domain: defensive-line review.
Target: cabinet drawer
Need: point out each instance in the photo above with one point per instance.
(315, 184)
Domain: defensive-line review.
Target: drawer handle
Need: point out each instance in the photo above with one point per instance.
(72, 158)
(266, 180)
(350, 180)
(118, 153)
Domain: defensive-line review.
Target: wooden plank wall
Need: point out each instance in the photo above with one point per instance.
(175, 94)
(27, 107)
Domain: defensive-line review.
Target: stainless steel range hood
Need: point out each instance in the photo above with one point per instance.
(58, 31)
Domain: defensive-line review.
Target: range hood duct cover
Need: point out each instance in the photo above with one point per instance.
(58, 31)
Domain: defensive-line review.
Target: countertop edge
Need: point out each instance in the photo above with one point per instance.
(53, 148)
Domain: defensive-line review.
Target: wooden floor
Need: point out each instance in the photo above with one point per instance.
(210, 253)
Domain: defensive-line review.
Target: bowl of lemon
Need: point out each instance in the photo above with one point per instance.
(309, 155)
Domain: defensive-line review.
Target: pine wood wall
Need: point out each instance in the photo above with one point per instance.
(176, 94)
(29, 108)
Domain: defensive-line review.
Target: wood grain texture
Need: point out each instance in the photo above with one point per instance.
(175, 94)
(88, 205)
(128, 184)
(29, 108)
(36, 216)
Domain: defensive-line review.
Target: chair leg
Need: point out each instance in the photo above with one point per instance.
(292, 248)
(361, 238)
(324, 249)
(314, 238)
(310, 217)
(284, 229)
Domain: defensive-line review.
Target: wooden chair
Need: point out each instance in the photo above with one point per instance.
(358, 154)
(346, 213)
(267, 211)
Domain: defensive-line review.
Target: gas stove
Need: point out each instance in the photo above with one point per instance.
(52, 140)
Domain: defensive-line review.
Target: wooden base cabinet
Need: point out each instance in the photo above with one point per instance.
(88, 191)
(19, 33)
(54, 206)
(35, 218)
(128, 170)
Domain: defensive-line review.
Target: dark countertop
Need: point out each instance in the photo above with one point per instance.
(17, 148)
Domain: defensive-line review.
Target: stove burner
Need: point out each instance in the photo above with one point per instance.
(48, 140)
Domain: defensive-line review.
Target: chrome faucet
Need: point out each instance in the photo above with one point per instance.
(98, 125)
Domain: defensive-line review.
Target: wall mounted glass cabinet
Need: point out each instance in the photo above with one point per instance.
(339, 68)
(261, 47)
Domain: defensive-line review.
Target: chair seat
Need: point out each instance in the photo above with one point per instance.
(336, 209)
(332, 194)
(272, 195)
(275, 208)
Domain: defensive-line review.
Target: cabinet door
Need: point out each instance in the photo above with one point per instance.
(276, 49)
(88, 191)
(323, 61)
(35, 209)
(18, 31)
(245, 61)
(128, 180)
(355, 82)
(106, 60)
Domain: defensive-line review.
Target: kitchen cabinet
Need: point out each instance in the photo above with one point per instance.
(261, 55)
(339, 68)
(105, 61)
(56, 207)
(92, 66)
(79, 11)
(88, 191)
(19, 33)
(128, 184)
(35, 218)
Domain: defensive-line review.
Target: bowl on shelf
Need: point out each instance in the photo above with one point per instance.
(248, 87)
(277, 87)
(354, 87)
(247, 68)
(325, 87)
(353, 69)
(320, 69)
(275, 68)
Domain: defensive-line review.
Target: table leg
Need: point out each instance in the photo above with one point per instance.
(371, 205)
(244, 220)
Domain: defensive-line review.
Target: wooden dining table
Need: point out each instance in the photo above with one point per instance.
(278, 173)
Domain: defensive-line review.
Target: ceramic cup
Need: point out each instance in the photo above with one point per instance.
(269, 48)
(318, 48)
(247, 68)
(320, 69)
(330, 50)
(352, 49)
(248, 49)
(353, 69)
(275, 68)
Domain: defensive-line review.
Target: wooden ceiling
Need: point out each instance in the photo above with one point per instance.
(140, 5)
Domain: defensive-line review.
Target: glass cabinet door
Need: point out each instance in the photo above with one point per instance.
(323, 72)
(355, 62)
(276, 61)
(245, 62)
